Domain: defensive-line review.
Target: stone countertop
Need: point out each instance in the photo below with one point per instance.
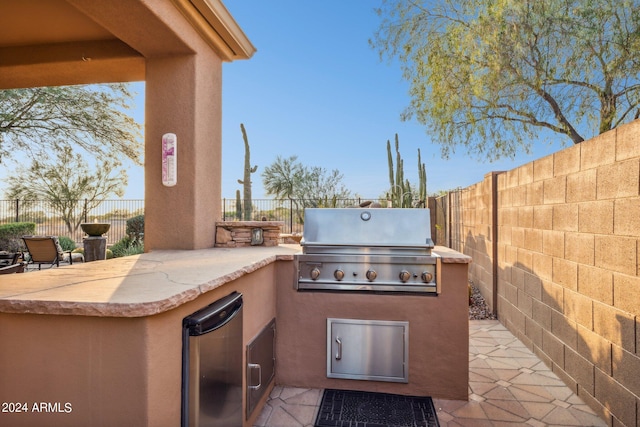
(143, 285)
(449, 256)
(134, 286)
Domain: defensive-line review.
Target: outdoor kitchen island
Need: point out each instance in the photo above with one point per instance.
(436, 336)
(100, 343)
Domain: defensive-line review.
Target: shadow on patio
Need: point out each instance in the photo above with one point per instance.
(508, 385)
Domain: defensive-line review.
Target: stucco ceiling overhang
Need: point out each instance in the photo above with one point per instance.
(216, 25)
(56, 42)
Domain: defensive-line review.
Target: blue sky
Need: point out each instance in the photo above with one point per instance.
(317, 90)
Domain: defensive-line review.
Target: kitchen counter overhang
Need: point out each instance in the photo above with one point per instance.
(146, 284)
(134, 286)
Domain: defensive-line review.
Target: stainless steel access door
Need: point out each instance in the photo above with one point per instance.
(368, 350)
(261, 365)
(212, 365)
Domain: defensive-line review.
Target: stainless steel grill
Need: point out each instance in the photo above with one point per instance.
(356, 249)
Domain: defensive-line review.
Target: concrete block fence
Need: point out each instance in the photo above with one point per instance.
(555, 247)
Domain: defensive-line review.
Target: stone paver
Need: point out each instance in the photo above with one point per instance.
(508, 385)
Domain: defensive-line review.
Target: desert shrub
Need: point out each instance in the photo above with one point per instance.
(81, 251)
(121, 246)
(135, 228)
(11, 235)
(127, 246)
(135, 249)
(66, 243)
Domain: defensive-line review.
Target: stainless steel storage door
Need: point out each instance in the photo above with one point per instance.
(261, 366)
(368, 350)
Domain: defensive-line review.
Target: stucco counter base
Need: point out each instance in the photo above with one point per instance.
(438, 339)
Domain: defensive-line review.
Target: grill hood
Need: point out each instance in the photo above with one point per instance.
(367, 227)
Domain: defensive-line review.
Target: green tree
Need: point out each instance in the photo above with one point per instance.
(321, 188)
(491, 75)
(281, 178)
(69, 185)
(288, 179)
(93, 118)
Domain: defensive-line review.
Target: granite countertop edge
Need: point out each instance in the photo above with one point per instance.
(22, 303)
(450, 256)
(57, 296)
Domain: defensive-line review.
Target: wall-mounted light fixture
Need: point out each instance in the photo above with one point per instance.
(257, 236)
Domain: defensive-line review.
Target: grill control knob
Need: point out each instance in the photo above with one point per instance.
(371, 275)
(404, 276)
(315, 273)
(427, 277)
(338, 274)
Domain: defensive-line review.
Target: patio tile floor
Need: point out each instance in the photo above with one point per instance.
(508, 385)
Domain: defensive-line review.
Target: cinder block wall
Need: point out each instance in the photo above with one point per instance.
(566, 264)
(474, 210)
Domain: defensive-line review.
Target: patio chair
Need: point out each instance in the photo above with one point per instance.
(14, 268)
(46, 250)
(9, 258)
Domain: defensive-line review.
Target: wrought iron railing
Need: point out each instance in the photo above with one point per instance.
(290, 211)
(51, 222)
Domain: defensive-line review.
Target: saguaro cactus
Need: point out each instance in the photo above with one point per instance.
(398, 191)
(248, 170)
(238, 206)
(401, 194)
(422, 178)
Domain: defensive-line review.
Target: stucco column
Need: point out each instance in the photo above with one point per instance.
(183, 96)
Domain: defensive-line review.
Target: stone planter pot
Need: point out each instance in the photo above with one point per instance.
(95, 228)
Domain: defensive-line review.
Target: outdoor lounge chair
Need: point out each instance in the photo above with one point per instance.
(9, 258)
(13, 268)
(46, 250)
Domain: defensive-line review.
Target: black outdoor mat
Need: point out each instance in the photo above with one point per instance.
(341, 408)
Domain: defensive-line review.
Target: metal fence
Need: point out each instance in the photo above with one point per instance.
(291, 212)
(49, 222)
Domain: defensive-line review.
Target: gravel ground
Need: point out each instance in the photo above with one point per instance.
(478, 309)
